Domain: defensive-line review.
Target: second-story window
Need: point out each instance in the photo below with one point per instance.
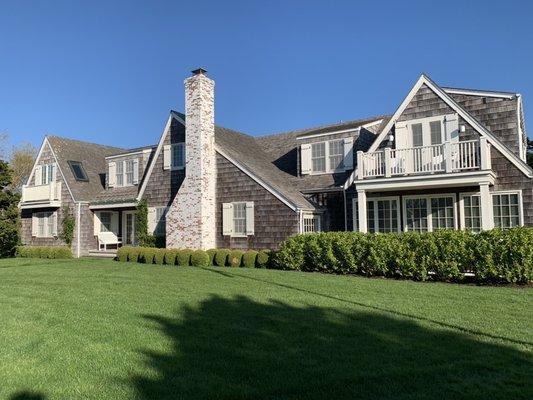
(120, 173)
(47, 174)
(129, 172)
(436, 132)
(336, 154)
(418, 137)
(178, 155)
(318, 157)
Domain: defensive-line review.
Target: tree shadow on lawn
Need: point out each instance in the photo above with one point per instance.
(241, 349)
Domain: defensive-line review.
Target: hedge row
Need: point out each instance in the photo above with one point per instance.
(55, 252)
(196, 258)
(492, 256)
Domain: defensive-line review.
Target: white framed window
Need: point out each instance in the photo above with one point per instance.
(336, 154)
(105, 221)
(120, 173)
(312, 223)
(178, 156)
(47, 174)
(238, 219)
(418, 137)
(44, 224)
(507, 209)
(318, 157)
(160, 221)
(430, 131)
(129, 172)
(383, 214)
(470, 212)
(435, 128)
(429, 213)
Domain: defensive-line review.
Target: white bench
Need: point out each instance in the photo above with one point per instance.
(107, 238)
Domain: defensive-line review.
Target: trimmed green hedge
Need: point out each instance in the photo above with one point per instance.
(491, 256)
(221, 257)
(200, 258)
(249, 258)
(52, 252)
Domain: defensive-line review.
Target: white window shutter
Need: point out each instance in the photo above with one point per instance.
(136, 171)
(54, 223)
(348, 153)
(151, 220)
(305, 153)
(34, 224)
(54, 172)
(249, 217)
(401, 137)
(38, 175)
(114, 222)
(227, 219)
(166, 156)
(97, 223)
(451, 125)
(112, 175)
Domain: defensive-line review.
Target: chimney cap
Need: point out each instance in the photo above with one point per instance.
(199, 71)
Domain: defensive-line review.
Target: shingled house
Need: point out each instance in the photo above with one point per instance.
(446, 159)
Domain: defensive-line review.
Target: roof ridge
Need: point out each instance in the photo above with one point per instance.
(84, 142)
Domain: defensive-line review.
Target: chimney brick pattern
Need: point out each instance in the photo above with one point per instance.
(190, 219)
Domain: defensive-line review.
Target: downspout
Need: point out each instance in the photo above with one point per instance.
(78, 226)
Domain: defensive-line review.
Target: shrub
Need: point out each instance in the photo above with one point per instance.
(221, 257)
(159, 256)
(133, 254)
(249, 258)
(211, 253)
(170, 257)
(445, 255)
(235, 258)
(200, 258)
(183, 258)
(263, 259)
(122, 254)
(52, 252)
(147, 255)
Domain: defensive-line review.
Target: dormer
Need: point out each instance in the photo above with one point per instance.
(326, 154)
(124, 169)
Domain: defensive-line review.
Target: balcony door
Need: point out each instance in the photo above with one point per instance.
(425, 139)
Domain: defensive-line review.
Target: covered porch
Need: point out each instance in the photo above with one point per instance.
(113, 226)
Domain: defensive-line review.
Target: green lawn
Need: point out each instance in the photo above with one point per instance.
(106, 330)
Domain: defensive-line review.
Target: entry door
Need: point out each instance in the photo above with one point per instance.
(128, 228)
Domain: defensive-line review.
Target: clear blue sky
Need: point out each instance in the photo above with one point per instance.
(109, 72)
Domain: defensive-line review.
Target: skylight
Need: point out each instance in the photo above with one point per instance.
(78, 171)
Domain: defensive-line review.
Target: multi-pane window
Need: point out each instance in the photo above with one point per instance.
(436, 132)
(129, 172)
(45, 223)
(239, 219)
(178, 155)
(105, 221)
(418, 138)
(506, 210)
(120, 173)
(160, 219)
(382, 215)
(416, 215)
(311, 223)
(336, 154)
(472, 213)
(318, 157)
(47, 174)
(423, 214)
(442, 216)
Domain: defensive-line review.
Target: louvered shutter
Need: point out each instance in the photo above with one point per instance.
(34, 224)
(54, 172)
(38, 175)
(451, 125)
(96, 223)
(401, 136)
(112, 175)
(152, 223)
(114, 222)
(227, 219)
(166, 156)
(250, 218)
(136, 171)
(54, 223)
(348, 153)
(305, 154)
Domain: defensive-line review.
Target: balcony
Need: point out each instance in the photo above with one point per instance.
(446, 158)
(41, 196)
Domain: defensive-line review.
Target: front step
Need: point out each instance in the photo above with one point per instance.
(103, 254)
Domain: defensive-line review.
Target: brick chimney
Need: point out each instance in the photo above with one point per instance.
(191, 217)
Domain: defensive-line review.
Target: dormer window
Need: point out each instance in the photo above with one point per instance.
(318, 157)
(47, 174)
(123, 173)
(327, 157)
(336, 155)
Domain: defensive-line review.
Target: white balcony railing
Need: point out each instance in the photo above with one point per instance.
(443, 158)
(42, 194)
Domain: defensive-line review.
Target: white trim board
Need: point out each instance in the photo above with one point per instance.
(111, 206)
(354, 130)
(481, 93)
(517, 161)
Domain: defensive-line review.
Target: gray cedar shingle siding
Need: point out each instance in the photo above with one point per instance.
(274, 221)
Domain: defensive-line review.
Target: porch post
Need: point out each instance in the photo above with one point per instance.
(487, 219)
(387, 161)
(361, 210)
(360, 172)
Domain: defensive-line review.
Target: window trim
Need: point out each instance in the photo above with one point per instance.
(47, 232)
(375, 199)
(48, 171)
(428, 197)
(177, 167)
(124, 174)
(327, 156)
(71, 164)
(462, 222)
(315, 217)
(235, 233)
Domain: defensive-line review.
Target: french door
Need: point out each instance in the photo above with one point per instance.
(128, 228)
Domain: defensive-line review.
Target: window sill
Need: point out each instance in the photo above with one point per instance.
(177, 168)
